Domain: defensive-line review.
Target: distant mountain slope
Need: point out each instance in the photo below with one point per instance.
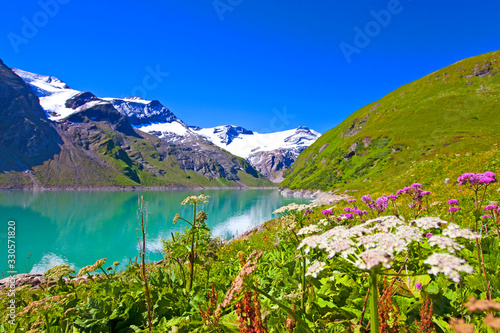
(92, 144)
(453, 110)
(269, 153)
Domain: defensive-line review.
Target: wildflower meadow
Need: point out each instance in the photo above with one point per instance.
(413, 260)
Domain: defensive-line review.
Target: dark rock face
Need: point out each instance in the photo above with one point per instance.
(356, 126)
(104, 111)
(208, 160)
(100, 112)
(272, 163)
(80, 99)
(27, 138)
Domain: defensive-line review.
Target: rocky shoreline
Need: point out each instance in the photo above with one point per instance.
(319, 197)
(35, 280)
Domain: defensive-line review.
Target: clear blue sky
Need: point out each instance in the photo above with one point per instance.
(238, 63)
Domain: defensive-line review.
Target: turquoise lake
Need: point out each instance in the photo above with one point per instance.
(78, 228)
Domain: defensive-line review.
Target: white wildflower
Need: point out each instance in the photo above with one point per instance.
(324, 222)
(385, 242)
(310, 242)
(345, 254)
(372, 258)
(308, 230)
(447, 264)
(315, 268)
(444, 243)
(194, 200)
(454, 231)
(408, 233)
(337, 232)
(294, 206)
(376, 241)
(429, 222)
(336, 246)
(385, 223)
(358, 230)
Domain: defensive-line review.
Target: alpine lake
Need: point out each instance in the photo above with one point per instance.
(79, 227)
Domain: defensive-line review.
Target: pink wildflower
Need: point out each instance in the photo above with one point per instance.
(485, 178)
(490, 207)
(327, 212)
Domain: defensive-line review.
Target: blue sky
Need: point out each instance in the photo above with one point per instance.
(263, 65)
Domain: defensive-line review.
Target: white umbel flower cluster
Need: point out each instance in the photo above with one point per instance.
(308, 230)
(426, 223)
(447, 264)
(293, 206)
(315, 268)
(372, 258)
(454, 231)
(445, 243)
(376, 242)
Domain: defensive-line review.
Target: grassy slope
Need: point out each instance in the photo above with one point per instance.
(453, 110)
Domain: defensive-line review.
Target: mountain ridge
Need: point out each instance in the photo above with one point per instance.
(92, 144)
(61, 102)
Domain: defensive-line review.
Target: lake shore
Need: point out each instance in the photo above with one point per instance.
(318, 197)
(126, 188)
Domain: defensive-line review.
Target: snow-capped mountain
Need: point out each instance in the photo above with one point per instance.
(150, 117)
(269, 153)
(59, 101)
(242, 142)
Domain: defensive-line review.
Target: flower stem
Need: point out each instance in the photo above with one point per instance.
(373, 302)
(191, 254)
(299, 320)
(496, 223)
(303, 300)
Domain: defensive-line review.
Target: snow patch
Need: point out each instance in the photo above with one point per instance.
(173, 127)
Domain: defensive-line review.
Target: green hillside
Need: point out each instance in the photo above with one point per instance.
(454, 110)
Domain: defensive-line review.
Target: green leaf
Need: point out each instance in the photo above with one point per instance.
(432, 288)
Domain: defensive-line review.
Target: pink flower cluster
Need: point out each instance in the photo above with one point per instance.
(476, 179)
(351, 212)
(327, 212)
(454, 205)
(414, 191)
(379, 205)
